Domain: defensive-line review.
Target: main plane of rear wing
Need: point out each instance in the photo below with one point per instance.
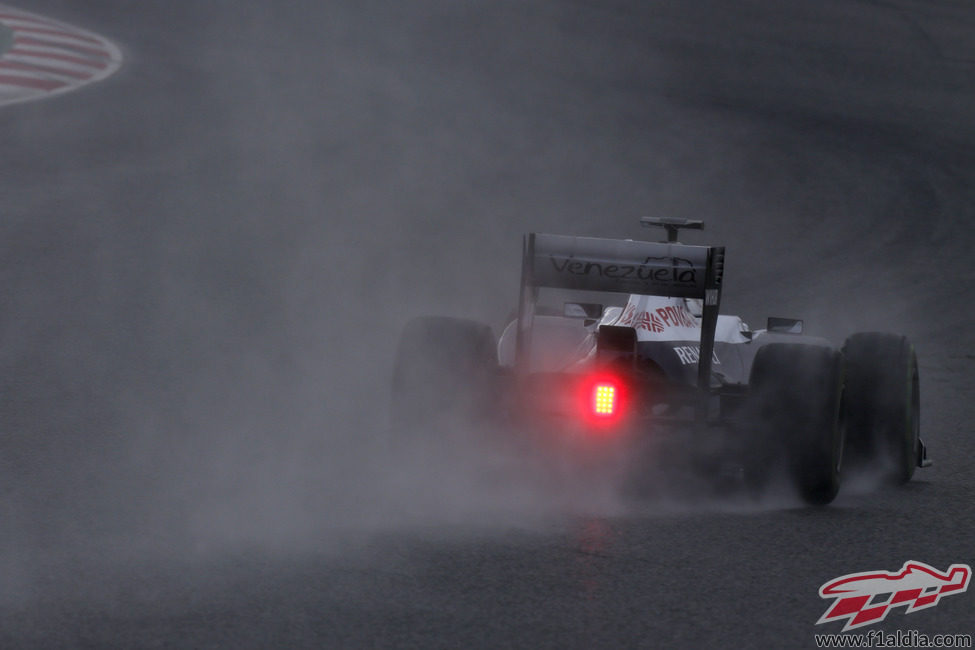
(622, 266)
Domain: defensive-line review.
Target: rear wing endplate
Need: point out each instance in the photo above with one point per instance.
(621, 266)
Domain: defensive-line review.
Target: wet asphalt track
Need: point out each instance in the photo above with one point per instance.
(206, 259)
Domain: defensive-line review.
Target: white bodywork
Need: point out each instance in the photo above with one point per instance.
(560, 342)
(659, 318)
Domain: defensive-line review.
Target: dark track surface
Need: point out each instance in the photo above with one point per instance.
(206, 259)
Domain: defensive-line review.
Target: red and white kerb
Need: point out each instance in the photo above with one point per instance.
(46, 57)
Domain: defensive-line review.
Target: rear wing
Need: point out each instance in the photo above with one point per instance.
(621, 266)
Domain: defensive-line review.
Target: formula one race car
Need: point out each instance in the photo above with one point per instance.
(619, 342)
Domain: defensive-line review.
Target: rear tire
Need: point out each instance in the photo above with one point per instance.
(798, 389)
(882, 408)
(445, 372)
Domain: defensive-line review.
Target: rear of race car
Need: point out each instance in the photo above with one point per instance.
(592, 383)
(618, 352)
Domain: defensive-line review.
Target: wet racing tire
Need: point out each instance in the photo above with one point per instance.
(882, 406)
(797, 389)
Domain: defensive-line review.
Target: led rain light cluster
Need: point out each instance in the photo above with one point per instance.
(604, 399)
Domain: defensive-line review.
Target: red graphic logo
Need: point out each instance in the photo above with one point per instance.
(658, 320)
(865, 598)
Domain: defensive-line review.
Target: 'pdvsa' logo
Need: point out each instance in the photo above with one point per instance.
(865, 598)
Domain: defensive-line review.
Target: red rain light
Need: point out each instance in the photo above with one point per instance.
(602, 400)
(604, 396)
